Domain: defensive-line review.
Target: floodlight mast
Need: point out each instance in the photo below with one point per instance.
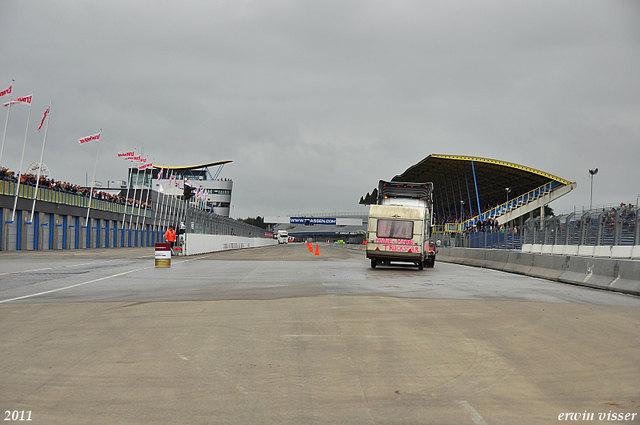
(592, 172)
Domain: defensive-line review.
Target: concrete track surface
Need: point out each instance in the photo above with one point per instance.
(279, 335)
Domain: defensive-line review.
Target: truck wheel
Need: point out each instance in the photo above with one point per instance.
(374, 263)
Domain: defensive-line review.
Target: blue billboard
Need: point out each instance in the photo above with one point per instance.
(312, 220)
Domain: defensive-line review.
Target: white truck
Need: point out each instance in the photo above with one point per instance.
(400, 225)
(282, 236)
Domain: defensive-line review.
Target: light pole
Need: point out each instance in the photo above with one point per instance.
(592, 172)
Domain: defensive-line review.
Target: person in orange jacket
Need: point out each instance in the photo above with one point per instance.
(170, 236)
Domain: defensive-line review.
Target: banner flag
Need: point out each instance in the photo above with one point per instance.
(160, 173)
(26, 99)
(44, 117)
(145, 166)
(89, 138)
(187, 182)
(126, 155)
(5, 91)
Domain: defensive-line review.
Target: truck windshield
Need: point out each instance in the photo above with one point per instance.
(395, 229)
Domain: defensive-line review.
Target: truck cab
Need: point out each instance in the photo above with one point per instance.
(282, 236)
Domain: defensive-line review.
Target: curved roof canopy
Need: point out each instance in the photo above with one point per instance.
(190, 167)
(455, 179)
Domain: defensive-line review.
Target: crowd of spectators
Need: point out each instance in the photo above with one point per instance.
(626, 215)
(45, 183)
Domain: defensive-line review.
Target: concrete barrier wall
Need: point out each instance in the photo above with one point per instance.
(620, 275)
(605, 251)
(202, 244)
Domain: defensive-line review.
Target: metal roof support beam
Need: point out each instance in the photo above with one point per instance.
(217, 172)
(475, 183)
(461, 195)
(468, 193)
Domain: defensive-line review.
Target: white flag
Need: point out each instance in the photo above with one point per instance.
(126, 155)
(26, 99)
(89, 138)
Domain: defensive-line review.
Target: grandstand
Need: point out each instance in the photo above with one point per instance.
(469, 190)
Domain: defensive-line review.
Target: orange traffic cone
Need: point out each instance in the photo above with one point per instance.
(317, 252)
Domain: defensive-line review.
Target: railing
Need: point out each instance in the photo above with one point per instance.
(607, 227)
(208, 223)
(496, 238)
(512, 204)
(46, 194)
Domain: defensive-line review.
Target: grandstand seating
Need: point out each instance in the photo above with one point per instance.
(521, 205)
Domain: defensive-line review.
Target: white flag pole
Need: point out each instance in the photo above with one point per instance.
(146, 201)
(126, 197)
(35, 195)
(162, 222)
(6, 123)
(93, 181)
(24, 144)
(165, 211)
(163, 217)
(133, 203)
(144, 175)
(156, 210)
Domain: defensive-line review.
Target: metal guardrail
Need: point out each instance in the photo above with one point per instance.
(606, 227)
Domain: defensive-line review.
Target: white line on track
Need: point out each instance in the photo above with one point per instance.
(58, 267)
(84, 283)
(74, 286)
(475, 416)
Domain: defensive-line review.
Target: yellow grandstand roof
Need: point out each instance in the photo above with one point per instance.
(455, 178)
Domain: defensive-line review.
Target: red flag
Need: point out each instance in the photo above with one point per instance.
(89, 138)
(5, 91)
(44, 117)
(26, 99)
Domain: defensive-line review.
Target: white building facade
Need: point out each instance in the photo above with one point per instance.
(218, 190)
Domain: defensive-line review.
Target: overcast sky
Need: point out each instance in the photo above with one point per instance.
(315, 101)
